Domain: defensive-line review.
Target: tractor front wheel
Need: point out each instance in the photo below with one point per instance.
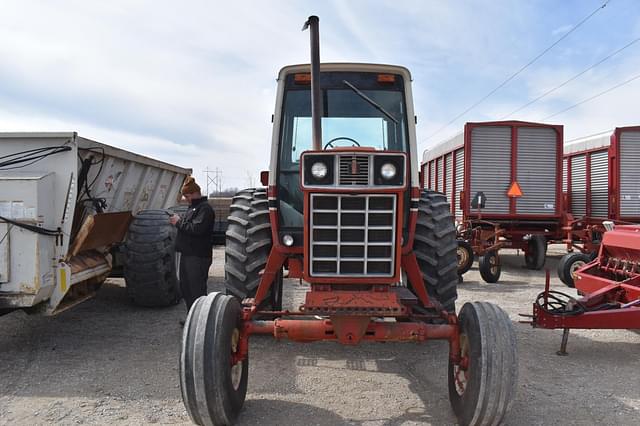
(483, 385)
(213, 386)
(489, 266)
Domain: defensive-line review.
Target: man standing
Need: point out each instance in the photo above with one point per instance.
(194, 242)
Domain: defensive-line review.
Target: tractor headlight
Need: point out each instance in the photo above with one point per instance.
(388, 171)
(319, 170)
(287, 240)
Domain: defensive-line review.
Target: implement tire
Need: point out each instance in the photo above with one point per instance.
(247, 248)
(481, 393)
(435, 248)
(569, 264)
(151, 261)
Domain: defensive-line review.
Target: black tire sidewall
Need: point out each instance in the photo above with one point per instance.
(566, 263)
(536, 253)
(464, 405)
(484, 265)
(226, 317)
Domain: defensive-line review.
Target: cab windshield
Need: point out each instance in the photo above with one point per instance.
(358, 110)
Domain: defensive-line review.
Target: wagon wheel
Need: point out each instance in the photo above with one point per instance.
(465, 256)
(489, 265)
(213, 385)
(536, 252)
(482, 385)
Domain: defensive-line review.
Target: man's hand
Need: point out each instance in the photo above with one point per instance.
(174, 219)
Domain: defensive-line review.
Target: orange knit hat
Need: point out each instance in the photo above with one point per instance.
(190, 186)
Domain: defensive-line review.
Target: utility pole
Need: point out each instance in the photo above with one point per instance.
(250, 179)
(216, 180)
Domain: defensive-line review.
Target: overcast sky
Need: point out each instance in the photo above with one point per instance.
(193, 82)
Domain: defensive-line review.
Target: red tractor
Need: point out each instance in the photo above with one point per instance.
(344, 211)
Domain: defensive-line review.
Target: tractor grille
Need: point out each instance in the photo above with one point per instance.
(354, 170)
(352, 235)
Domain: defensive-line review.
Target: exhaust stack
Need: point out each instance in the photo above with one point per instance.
(316, 101)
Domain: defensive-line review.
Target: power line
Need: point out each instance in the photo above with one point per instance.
(593, 97)
(571, 79)
(531, 62)
(604, 132)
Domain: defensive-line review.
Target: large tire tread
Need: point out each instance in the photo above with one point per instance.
(493, 368)
(435, 248)
(205, 361)
(248, 245)
(150, 269)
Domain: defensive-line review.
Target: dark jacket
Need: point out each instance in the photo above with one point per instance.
(195, 230)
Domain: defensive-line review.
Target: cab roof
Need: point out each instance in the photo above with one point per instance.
(347, 66)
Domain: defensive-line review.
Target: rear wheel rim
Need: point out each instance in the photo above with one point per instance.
(460, 375)
(236, 369)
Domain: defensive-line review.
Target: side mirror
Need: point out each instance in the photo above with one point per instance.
(264, 178)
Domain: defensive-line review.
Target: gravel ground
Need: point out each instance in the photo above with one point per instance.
(108, 361)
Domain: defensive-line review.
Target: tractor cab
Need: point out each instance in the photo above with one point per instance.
(356, 186)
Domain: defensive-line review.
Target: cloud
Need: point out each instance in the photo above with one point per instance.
(194, 82)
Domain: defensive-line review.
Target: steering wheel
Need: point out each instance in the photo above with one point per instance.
(330, 143)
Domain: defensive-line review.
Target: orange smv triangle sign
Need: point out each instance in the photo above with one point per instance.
(514, 190)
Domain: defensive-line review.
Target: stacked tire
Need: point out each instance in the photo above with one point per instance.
(151, 262)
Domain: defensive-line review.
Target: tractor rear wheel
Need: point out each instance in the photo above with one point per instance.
(569, 264)
(213, 388)
(435, 248)
(465, 257)
(489, 266)
(536, 252)
(483, 385)
(151, 262)
(248, 246)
